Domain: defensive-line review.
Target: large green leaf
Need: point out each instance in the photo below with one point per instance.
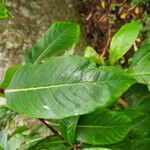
(64, 87)
(3, 139)
(103, 127)
(60, 36)
(68, 128)
(3, 11)
(123, 40)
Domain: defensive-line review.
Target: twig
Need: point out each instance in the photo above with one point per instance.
(123, 103)
(51, 128)
(77, 146)
(1, 91)
(104, 51)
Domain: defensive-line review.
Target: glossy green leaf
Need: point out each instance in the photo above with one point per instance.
(60, 36)
(64, 87)
(68, 128)
(3, 11)
(9, 75)
(103, 127)
(123, 40)
(3, 139)
(93, 55)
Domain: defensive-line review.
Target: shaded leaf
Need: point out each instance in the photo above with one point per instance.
(142, 144)
(3, 139)
(68, 128)
(51, 143)
(123, 40)
(64, 87)
(5, 115)
(140, 69)
(103, 127)
(59, 37)
(20, 141)
(9, 75)
(138, 97)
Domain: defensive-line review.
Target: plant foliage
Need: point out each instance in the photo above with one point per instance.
(79, 98)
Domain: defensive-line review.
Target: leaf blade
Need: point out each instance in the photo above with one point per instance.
(68, 128)
(103, 127)
(70, 84)
(59, 37)
(123, 40)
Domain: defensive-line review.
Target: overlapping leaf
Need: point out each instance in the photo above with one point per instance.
(64, 87)
(51, 143)
(140, 68)
(68, 128)
(103, 127)
(60, 36)
(3, 139)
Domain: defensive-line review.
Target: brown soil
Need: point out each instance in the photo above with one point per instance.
(102, 18)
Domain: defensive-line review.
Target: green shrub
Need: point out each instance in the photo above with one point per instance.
(87, 102)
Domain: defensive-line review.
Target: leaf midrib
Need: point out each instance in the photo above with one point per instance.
(36, 61)
(56, 86)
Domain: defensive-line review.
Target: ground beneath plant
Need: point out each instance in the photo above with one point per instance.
(102, 18)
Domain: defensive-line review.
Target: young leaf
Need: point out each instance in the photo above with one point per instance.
(64, 87)
(103, 127)
(3, 11)
(60, 36)
(9, 75)
(92, 54)
(3, 139)
(123, 40)
(68, 128)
